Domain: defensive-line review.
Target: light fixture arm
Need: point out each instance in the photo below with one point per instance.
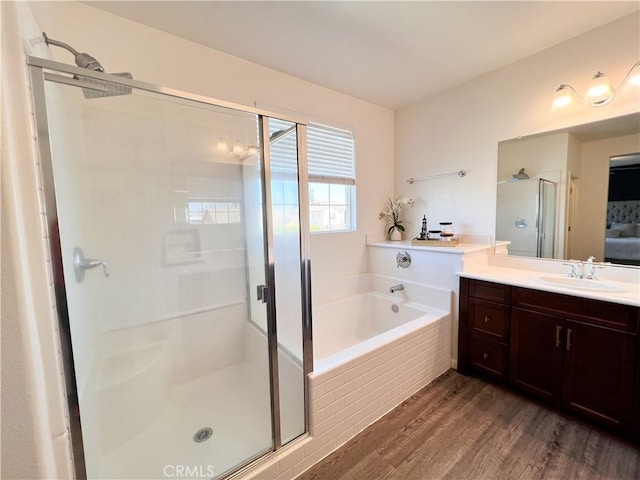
(626, 77)
(570, 87)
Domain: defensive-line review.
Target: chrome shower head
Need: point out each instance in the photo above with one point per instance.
(94, 88)
(521, 175)
(98, 88)
(83, 60)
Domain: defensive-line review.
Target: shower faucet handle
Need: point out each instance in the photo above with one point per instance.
(80, 264)
(403, 259)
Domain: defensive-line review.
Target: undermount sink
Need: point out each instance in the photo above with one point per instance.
(579, 283)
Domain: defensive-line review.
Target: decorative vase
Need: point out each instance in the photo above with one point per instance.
(395, 235)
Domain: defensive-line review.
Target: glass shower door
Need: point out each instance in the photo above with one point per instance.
(161, 226)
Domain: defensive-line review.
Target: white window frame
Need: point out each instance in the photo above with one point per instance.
(330, 160)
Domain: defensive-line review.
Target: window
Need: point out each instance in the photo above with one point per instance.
(214, 199)
(331, 161)
(203, 213)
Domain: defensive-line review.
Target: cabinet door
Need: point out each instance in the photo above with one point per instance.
(536, 353)
(598, 373)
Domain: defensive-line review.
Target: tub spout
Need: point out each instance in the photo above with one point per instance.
(396, 288)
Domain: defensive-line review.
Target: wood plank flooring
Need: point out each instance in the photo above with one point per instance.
(465, 428)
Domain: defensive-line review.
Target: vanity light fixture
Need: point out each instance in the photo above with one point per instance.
(237, 151)
(599, 93)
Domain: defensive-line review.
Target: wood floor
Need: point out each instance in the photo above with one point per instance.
(464, 428)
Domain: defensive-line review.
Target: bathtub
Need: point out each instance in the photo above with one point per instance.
(349, 328)
(368, 358)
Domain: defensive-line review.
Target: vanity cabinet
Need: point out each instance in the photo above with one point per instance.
(577, 354)
(489, 326)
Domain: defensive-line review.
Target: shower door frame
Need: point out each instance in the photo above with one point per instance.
(43, 70)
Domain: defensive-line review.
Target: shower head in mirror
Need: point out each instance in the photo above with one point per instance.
(521, 175)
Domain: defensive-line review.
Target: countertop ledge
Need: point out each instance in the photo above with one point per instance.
(459, 249)
(523, 278)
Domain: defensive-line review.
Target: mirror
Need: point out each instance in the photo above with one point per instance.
(553, 198)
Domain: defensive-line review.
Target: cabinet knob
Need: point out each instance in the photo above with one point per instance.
(485, 355)
(486, 319)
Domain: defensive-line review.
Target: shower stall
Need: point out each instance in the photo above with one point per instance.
(526, 216)
(183, 289)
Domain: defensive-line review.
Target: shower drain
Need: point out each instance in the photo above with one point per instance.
(202, 435)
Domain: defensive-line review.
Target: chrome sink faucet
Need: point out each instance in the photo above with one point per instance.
(579, 269)
(591, 274)
(396, 288)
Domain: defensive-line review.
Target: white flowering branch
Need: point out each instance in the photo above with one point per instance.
(391, 214)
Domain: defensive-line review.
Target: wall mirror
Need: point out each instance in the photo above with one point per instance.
(555, 198)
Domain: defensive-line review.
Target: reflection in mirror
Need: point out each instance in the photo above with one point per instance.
(553, 191)
(622, 236)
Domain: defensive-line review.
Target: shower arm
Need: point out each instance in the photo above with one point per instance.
(50, 41)
(83, 60)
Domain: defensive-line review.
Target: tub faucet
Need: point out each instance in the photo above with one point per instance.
(396, 288)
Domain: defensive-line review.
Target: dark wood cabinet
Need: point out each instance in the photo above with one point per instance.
(487, 329)
(536, 353)
(577, 354)
(599, 367)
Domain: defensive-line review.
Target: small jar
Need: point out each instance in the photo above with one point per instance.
(447, 230)
(433, 235)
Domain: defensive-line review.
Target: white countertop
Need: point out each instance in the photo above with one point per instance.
(630, 294)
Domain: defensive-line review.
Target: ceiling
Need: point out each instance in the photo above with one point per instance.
(390, 53)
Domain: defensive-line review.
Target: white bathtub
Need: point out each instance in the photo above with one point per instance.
(349, 328)
(368, 358)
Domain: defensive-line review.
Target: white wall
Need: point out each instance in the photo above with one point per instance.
(35, 438)
(461, 128)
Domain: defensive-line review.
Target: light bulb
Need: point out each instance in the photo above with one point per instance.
(238, 150)
(563, 97)
(634, 75)
(222, 146)
(599, 91)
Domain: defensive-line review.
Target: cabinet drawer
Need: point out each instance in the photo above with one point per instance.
(490, 357)
(595, 312)
(494, 292)
(489, 319)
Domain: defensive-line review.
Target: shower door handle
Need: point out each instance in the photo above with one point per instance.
(263, 293)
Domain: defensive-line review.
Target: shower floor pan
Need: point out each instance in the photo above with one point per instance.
(228, 401)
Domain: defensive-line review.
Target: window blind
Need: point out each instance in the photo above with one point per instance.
(329, 153)
(213, 189)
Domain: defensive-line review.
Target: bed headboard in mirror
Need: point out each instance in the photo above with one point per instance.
(577, 161)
